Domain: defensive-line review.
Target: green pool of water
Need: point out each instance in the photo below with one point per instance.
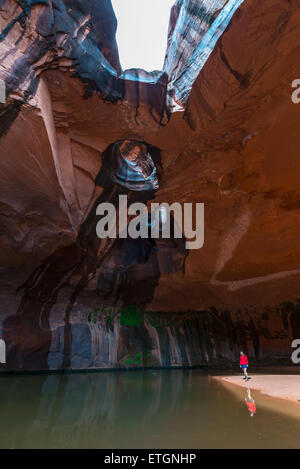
(138, 409)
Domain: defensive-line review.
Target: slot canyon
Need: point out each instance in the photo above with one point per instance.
(216, 126)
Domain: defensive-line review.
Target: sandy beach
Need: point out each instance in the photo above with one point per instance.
(277, 386)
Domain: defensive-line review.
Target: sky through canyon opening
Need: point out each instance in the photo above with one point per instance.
(142, 32)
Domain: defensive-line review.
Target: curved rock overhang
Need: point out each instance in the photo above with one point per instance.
(79, 37)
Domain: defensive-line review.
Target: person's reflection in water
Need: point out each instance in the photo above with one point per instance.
(250, 402)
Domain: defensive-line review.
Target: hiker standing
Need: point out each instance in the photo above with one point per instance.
(244, 364)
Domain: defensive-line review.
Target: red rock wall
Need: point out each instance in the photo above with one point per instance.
(235, 148)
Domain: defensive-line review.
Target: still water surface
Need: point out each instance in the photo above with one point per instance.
(138, 409)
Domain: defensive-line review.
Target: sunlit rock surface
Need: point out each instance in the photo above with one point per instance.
(195, 28)
(235, 148)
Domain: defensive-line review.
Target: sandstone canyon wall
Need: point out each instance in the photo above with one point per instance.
(234, 146)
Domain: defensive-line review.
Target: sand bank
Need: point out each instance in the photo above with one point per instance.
(279, 386)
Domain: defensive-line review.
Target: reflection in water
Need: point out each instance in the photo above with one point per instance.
(251, 406)
(138, 409)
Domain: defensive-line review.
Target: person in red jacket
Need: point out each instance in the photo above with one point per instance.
(244, 364)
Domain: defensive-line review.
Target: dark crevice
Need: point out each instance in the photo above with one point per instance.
(243, 79)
